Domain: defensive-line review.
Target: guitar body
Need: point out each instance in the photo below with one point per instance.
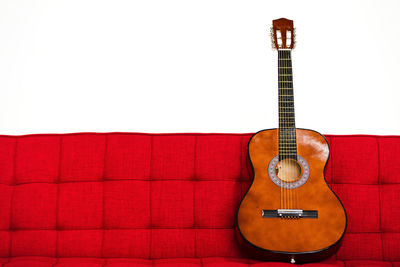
(292, 238)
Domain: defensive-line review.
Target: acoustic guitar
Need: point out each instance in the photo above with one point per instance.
(289, 213)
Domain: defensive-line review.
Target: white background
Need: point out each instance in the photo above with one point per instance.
(195, 66)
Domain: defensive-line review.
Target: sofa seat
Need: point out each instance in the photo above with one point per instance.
(131, 199)
(179, 262)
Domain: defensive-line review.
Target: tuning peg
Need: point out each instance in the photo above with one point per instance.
(271, 34)
(294, 38)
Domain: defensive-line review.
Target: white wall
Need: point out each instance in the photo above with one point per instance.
(195, 66)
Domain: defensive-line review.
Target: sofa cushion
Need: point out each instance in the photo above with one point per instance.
(156, 198)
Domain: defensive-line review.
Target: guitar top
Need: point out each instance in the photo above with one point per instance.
(289, 213)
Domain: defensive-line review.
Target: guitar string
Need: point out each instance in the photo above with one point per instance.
(280, 122)
(284, 131)
(280, 125)
(284, 103)
(289, 132)
(283, 134)
(294, 139)
(293, 129)
(293, 133)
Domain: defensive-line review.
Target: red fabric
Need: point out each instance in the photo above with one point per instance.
(125, 199)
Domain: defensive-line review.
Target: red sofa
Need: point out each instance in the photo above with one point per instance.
(126, 199)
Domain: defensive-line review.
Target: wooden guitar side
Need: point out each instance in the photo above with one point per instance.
(304, 239)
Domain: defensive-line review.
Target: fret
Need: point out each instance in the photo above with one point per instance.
(288, 144)
(287, 133)
(287, 125)
(289, 147)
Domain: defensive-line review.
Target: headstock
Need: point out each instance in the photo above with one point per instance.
(283, 34)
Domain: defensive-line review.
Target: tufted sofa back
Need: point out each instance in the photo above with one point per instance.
(156, 196)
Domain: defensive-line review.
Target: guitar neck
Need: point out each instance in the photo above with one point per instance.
(287, 126)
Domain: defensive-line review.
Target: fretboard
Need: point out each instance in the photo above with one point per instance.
(287, 126)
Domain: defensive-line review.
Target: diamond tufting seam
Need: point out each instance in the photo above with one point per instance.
(194, 195)
(150, 202)
(58, 197)
(13, 182)
(379, 197)
(56, 263)
(141, 179)
(146, 180)
(241, 159)
(331, 156)
(103, 203)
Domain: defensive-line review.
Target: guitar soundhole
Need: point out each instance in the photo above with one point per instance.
(288, 170)
(289, 173)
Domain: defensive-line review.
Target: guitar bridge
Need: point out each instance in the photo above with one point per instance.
(290, 213)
